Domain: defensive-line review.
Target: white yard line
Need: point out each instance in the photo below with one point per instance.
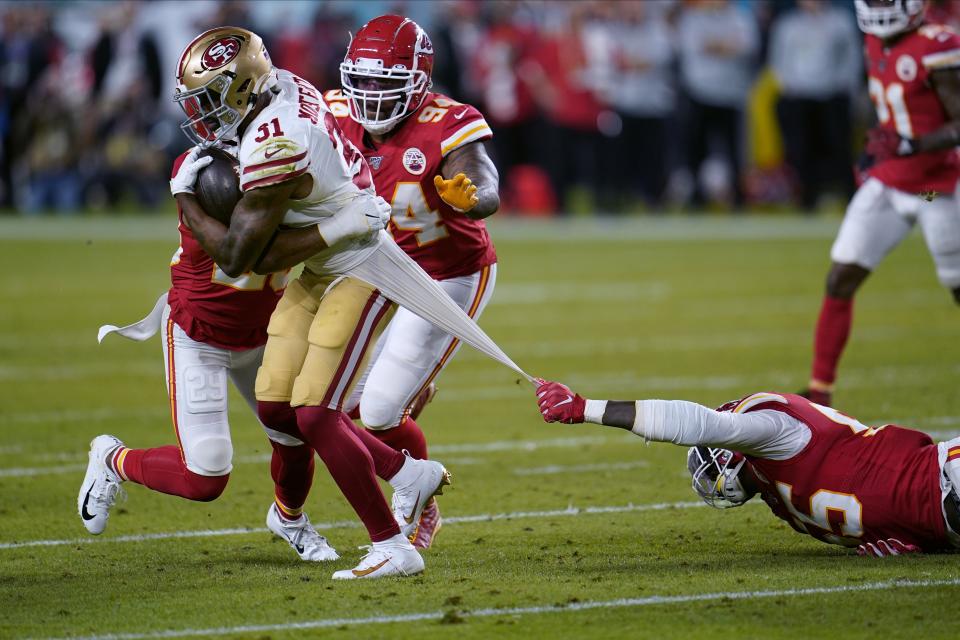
(554, 469)
(570, 511)
(620, 603)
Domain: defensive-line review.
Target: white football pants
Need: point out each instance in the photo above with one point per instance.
(879, 217)
(196, 375)
(412, 352)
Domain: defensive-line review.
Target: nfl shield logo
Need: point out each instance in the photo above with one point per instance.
(375, 162)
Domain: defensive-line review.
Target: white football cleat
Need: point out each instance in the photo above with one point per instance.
(413, 486)
(301, 535)
(100, 486)
(393, 557)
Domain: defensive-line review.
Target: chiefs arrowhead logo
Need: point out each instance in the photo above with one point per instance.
(221, 52)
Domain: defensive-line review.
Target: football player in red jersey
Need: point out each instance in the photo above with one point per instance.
(914, 80)
(426, 153)
(886, 490)
(214, 328)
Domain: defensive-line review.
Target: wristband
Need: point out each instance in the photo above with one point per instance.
(594, 410)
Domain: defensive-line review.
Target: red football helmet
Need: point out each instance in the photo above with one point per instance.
(887, 18)
(386, 72)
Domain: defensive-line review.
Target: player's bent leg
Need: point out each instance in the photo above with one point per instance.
(350, 317)
(291, 465)
(871, 228)
(163, 469)
(940, 224)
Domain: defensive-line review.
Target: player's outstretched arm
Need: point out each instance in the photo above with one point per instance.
(764, 433)
(256, 217)
(469, 181)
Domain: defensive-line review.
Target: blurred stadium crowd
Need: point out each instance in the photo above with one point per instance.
(606, 105)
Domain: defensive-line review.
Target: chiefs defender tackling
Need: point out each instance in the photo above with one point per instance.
(214, 327)
(914, 80)
(297, 171)
(428, 161)
(885, 490)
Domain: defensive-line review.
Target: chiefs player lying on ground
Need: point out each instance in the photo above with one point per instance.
(886, 490)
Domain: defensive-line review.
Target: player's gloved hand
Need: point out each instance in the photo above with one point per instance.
(559, 404)
(187, 173)
(363, 216)
(459, 192)
(883, 144)
(886, 548)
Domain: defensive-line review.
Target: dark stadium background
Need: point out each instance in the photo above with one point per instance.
(597, 106)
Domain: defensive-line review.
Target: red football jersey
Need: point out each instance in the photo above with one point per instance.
(445, 242)
(852, 483)
(213, 308)
(899, 84)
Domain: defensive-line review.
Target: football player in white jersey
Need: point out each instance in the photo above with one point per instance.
(297, 170)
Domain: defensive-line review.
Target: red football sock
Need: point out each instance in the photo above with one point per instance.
(162, 469)
(833, 329)
(351, 466)
(386, 461)
(292, 471)
(407, 435)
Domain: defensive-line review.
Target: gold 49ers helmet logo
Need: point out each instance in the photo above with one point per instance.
(221, 51)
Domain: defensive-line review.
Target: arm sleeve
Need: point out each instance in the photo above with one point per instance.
(763, 433)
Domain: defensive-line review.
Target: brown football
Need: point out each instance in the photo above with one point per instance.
(218, 185)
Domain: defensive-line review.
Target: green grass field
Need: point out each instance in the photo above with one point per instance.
(552, 530)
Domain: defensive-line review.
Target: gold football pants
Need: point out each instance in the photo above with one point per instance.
(318, 340)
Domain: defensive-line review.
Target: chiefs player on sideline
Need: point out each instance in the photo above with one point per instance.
(885, 490)
(914, 80)
(214, 327)
(427, 158)
(296, 169)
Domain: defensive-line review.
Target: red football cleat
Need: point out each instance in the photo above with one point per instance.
(427, 528)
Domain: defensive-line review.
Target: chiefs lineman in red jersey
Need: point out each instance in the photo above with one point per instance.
(214, 328)
(885, 490)
(427, 158)
(914, 80)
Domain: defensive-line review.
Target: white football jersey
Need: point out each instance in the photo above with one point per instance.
(297, 134)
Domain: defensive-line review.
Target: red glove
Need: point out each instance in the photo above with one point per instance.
(558, 403)
(883, 144)
(885, 548)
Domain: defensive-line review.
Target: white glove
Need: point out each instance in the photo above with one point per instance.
(362, 217)
(187, 173)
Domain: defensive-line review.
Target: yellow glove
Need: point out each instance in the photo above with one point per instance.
(459, 192)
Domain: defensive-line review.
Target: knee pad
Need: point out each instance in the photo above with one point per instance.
(380, 413)
(206, 488)
(210, 456)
